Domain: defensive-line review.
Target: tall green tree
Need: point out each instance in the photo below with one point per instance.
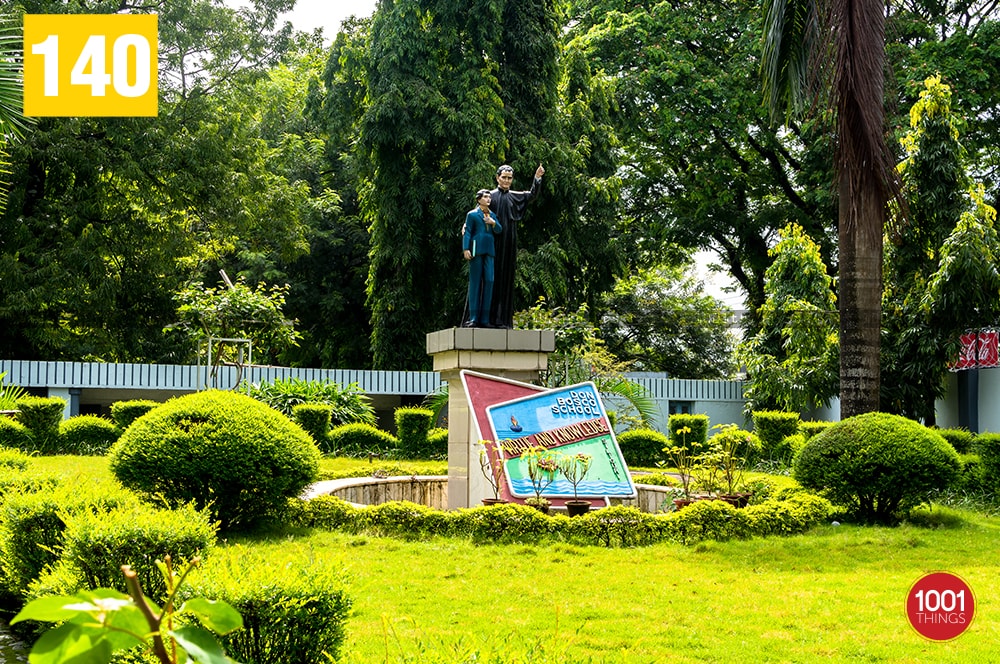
(838, 51)
(433, 122)
(662, 320)
(792, 361)
(914, 352)
(451, 92)
(703, 167)
(108, 217)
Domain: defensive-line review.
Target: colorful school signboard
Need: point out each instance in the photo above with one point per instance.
(513, 417)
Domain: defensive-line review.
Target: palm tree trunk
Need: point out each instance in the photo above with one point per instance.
(862, 167)
(862, 211)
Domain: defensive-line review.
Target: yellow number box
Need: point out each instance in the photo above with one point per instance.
(90, 64)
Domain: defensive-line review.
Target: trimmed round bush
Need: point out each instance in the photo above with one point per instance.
(87, 435)
(14, 434)
(877, 466)
(221, 450)
(361, 438)
(642, 447)
(124, 413)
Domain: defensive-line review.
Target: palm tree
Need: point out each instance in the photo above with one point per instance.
(12, 120)
(800, 38)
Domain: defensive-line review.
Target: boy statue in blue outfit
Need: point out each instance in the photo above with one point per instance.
(478, 248)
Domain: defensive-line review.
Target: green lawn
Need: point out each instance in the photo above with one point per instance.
(834, 594)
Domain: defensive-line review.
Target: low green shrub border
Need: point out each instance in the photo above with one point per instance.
(14, 459)
(292, 614)
(612, 526)
(657, 479)
(385, 469)
(14, 480)
(32, 525)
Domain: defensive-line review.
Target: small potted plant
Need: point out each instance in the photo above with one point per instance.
(542, 468)
(682, 458)
(493, 475)
(731, 441)
(574, 468)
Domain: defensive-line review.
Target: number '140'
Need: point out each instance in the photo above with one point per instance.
(91, 67)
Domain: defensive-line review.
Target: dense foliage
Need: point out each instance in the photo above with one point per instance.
(224, 451)
(343, 173)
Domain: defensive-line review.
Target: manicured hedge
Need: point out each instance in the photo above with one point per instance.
(41, 416)
(359, 439)
(877, 466)
(773, 427)
(224, 451)
(314, 418)
(87, 435)
(960, 439)
(694, 440)
(124, 413)
(412, 427)
(642, 447)
(987, 445)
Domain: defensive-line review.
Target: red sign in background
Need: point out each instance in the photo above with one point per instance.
(940, 606)
(979, 351)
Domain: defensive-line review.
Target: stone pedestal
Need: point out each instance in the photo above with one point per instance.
(512, 354)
